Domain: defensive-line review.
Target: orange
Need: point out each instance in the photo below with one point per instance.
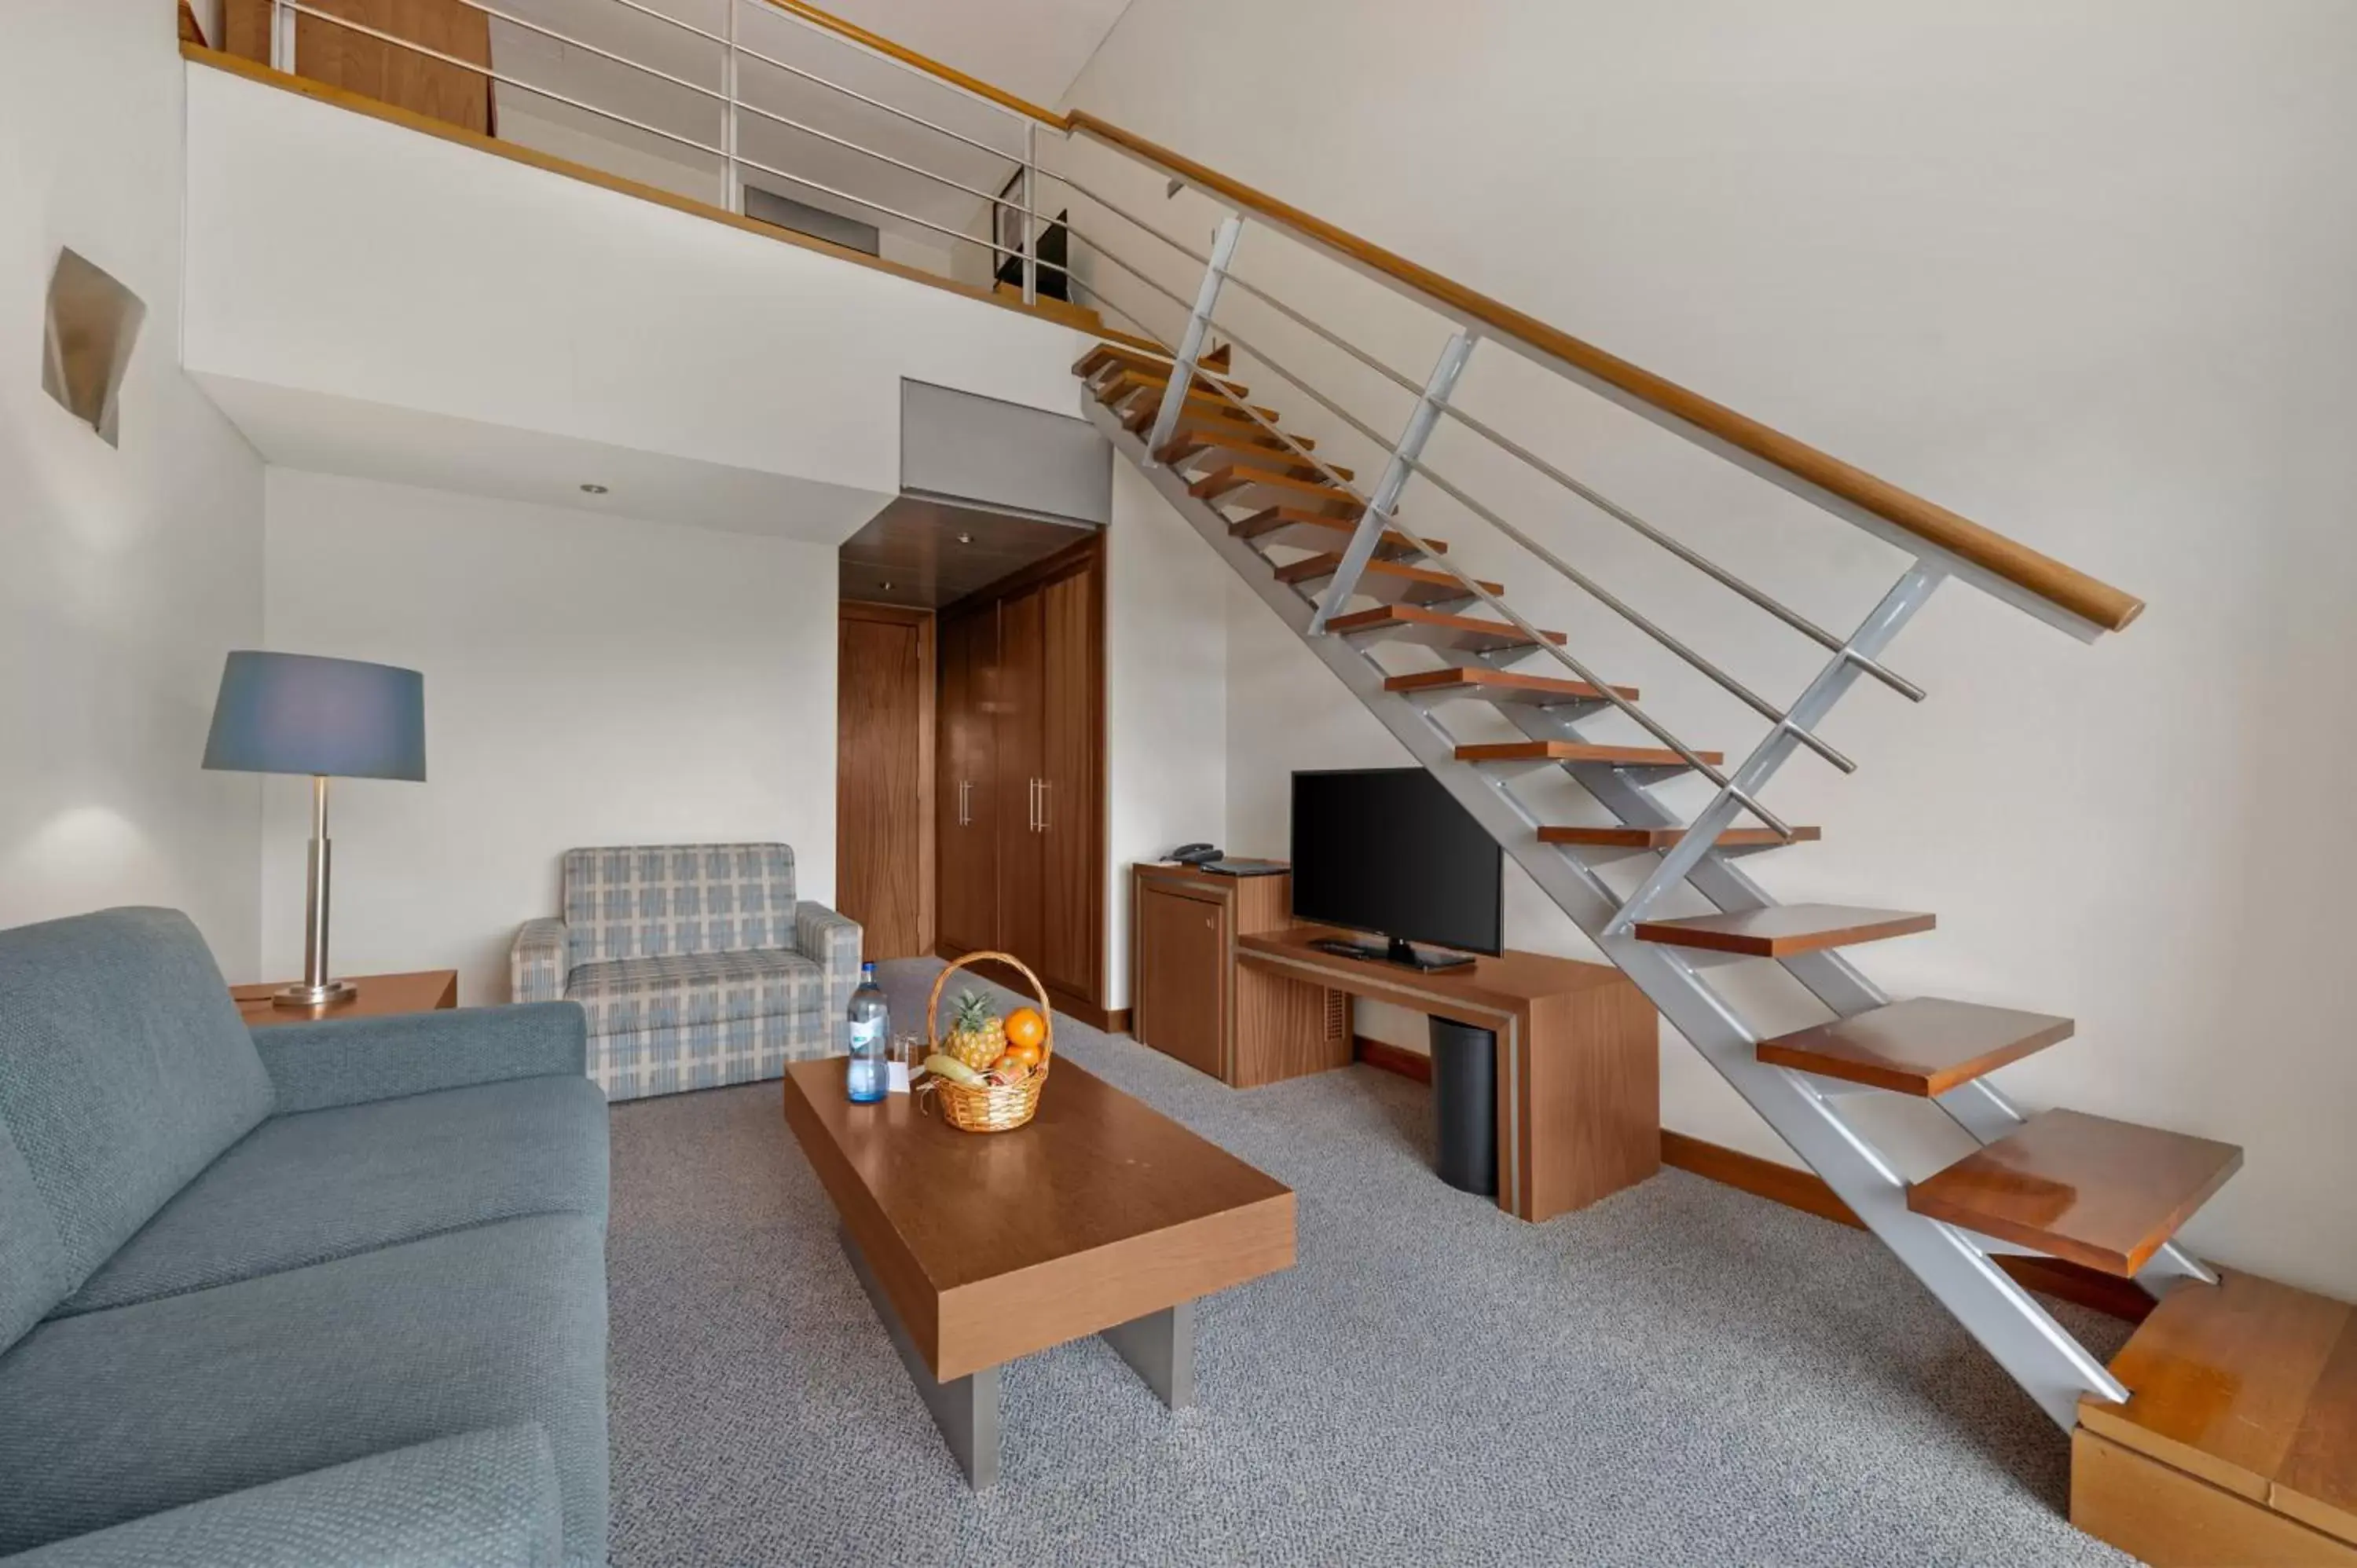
(1026, 1027)
(1027, 1055)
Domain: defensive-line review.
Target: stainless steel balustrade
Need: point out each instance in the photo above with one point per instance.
(1403, 454)
(732, 101)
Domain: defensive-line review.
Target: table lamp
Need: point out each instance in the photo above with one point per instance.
(293, 713)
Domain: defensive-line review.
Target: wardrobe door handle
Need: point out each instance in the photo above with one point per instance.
(1046, 822)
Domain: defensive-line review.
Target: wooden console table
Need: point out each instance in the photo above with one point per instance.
(1580, 1094)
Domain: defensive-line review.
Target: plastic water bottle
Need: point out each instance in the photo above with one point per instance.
(871, 1035)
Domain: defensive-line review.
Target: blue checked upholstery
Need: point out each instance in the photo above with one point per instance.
(693, 963)
(628, 996)
(653, 901)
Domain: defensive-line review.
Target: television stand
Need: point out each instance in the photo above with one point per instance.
(1398, 952)
(1578, 1062)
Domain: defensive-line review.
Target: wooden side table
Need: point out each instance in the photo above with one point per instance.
(379, 995)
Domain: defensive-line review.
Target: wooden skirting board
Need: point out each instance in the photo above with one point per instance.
(1392, 1059)
(1805, 1191)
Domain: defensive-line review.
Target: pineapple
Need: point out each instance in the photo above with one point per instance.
(977, 1035)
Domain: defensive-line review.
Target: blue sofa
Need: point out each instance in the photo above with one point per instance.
(316, 1294)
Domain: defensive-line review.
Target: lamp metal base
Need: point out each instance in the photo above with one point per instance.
(324, 995)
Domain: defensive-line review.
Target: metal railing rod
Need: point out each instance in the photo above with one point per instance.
(1292, 443)
(1320, 399)
(1540, 640)
(1565, 657)
(721, 152)
(989, 241)
(1181, 301)
(1741, 692)
(298, 8)
(1127, 216)
(914, 119)
(1684, 552)
(836, 36)
(739, 102)
(1410, 383)
(992, 196)
(512, 20)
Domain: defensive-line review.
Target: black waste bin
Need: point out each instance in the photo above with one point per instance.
(1465, 1106)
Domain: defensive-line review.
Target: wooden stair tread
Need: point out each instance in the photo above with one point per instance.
(1107, 356)
(1384, 579)
(1269, 486)
(1923, 1045)
(1247, 444)
(1502, 685)
(2250, 1385)
(1782, 929)
(1663, 838)
(1217, 358)
(1433, 629)
(1217, 418)
(1579, 751)
(1132, 384)
(2081, 1187)
(1315, 531)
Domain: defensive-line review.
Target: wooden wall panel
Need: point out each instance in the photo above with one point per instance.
(356, 62)
(884, 831)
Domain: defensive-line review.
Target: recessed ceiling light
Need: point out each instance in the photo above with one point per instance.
(966, 538)
(593, 490)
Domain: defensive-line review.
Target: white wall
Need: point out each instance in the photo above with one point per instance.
(1166, 689)
(2079, 271)
(125, 574)
(588, 679)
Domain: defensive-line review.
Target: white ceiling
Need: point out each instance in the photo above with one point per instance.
(364, 440)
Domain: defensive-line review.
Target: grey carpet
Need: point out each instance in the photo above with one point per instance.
(1682, 1374)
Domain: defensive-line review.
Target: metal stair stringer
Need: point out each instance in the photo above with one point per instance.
(1958, 1268)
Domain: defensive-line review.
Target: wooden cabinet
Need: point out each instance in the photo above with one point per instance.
(1192, 1000)
(1022, 733)
(1180, 989)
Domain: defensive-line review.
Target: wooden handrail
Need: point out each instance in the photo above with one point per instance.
(2049, 579)
(925, 63)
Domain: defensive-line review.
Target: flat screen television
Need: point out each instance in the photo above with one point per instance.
(1389, 851)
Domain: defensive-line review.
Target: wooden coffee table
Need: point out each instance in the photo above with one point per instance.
(1101, 1216)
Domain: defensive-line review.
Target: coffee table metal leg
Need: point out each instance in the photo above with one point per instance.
(966, 1409)
(1160, 1347)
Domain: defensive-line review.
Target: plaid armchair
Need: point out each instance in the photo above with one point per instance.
(695, 963)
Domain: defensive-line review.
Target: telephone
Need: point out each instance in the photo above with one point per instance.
(1196, 854)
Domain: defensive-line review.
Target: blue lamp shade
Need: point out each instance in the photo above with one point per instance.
(294, 713)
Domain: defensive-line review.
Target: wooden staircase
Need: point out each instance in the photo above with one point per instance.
(2097, 1192)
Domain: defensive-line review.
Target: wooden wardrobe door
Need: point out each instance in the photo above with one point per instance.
(884, 835)
(1016, 698)
(1072, 898)
(968, 903)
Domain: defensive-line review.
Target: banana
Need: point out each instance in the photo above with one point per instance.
(943, 1064)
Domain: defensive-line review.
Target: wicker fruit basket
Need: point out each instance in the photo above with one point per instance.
(990, 1109)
